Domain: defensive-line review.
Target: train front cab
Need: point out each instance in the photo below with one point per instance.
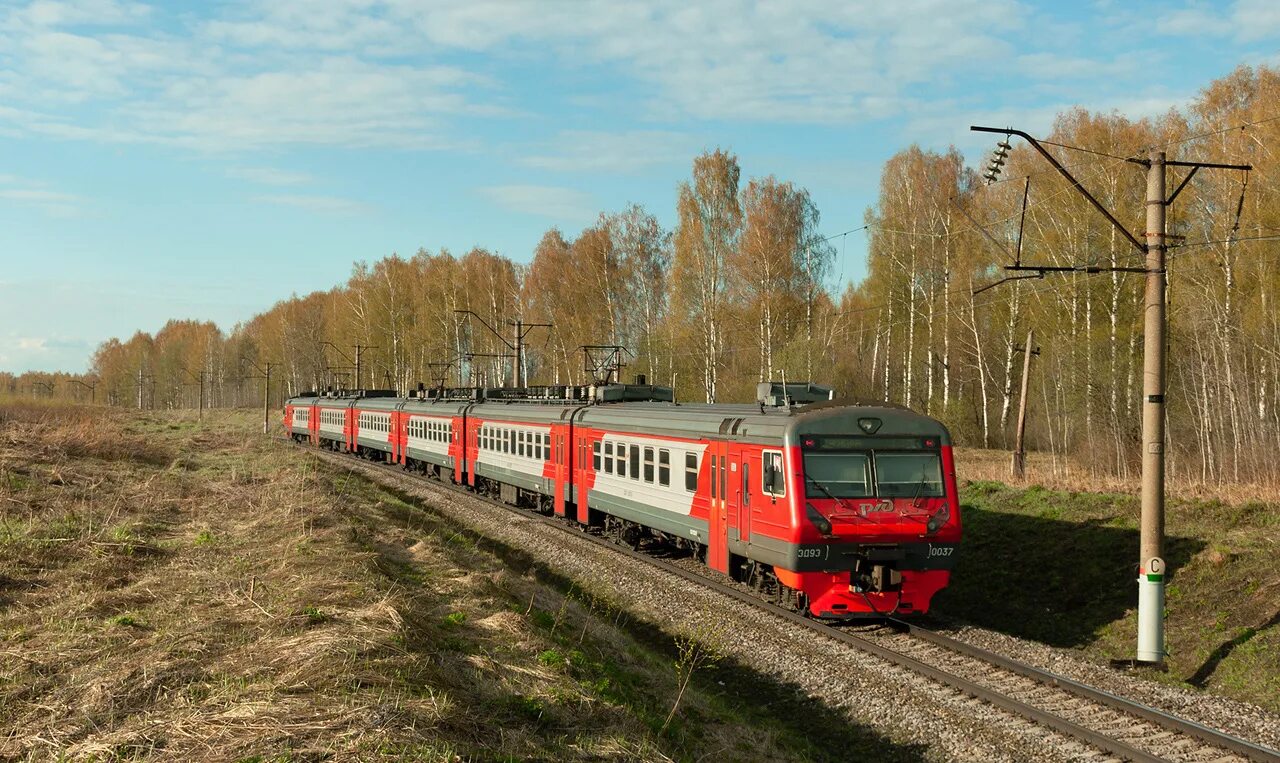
(875, 514)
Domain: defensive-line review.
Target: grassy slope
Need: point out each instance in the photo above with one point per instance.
(1060, 567)
(183, 589)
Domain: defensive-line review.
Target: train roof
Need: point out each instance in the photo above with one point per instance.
(756, 423)
(760, 423)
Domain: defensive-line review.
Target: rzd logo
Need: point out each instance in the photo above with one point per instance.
(875, 508)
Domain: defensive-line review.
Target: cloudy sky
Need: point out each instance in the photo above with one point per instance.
(204, 160)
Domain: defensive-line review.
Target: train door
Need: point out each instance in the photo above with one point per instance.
(581, 472)
(589, 461)
(396, 455)
(563, 471)
(718, 540)
(745, 470)
(559, 468)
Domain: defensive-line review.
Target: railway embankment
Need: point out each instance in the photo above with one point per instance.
(1057, 567)
(176, 588)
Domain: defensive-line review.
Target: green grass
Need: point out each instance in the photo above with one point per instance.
(1060, 567)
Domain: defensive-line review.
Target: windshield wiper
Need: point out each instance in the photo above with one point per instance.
(824, 489)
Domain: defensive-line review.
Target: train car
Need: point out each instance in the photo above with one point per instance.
(836, 508)
(300, 418)
(429, 436)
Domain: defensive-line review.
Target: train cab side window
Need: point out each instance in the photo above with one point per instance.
(664, 467)
(648, 464)
(634, 454)
(595, 455)
(773, 480)
(691, 472)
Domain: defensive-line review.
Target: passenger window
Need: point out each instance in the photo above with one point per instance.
(595, 455)
(622, 459)
(664, 467)
(648, 464)
(608, 458)
(634, 453)
(691, 472)
(773, 480)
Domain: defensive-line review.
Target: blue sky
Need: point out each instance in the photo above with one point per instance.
(199, 160)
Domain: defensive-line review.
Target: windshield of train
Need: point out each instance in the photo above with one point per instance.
(866, 474)
(908, 475)
(837, 475)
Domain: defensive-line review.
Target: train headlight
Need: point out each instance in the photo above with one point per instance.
(936, 521)
(817, 520)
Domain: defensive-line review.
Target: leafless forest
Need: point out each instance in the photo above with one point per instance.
(737, 293)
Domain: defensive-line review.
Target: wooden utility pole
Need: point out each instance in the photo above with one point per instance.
(199, 377)
(1019, 448)
(266, 392)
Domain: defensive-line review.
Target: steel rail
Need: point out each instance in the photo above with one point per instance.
(1146, 712)
(1092, 737)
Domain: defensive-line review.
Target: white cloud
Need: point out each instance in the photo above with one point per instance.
(84, 12)
(1045, 66)
(629, 151)
(270, 176)
(372, 72)
(37, 195)
(555, 202)
(326, 204)
(30, 344)
(1245, 20)
(1194, 20)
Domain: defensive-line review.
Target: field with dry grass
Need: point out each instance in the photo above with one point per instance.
(173, 588)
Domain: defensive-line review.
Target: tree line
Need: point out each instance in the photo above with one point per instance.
(739, 292)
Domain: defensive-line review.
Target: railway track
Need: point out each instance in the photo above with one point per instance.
(1115, 727)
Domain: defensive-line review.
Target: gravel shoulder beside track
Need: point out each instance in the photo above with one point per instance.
(913, 711)
(1233, 717)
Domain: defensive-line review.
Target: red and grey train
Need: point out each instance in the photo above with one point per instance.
(841, 509)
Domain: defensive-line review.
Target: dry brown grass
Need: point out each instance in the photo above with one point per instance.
(174, 589)
(1073, 474)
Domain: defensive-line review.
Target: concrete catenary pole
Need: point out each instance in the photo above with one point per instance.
(519, 354)
(1151, 569)
(358, 348)
(139, 387)
(1019, 450)
(266, 400)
